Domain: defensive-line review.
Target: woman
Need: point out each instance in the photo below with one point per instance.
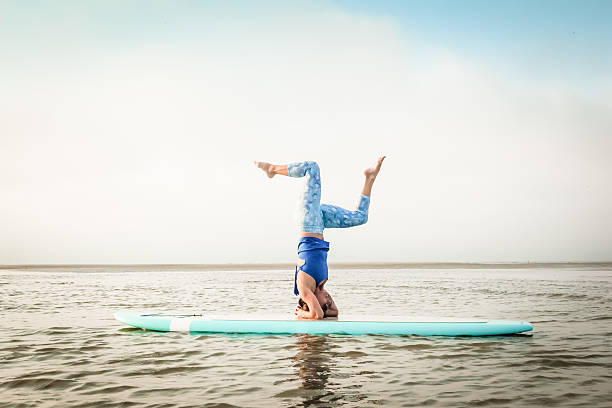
(311, 273)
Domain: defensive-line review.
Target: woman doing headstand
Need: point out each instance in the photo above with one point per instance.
(311, 272)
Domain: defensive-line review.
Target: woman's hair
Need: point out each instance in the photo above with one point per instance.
(304, 306)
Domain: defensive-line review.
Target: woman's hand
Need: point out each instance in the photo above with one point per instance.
(302, 314)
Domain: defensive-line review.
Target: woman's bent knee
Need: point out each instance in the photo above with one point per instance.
(312, 166)
(300, 169)
(362, 218)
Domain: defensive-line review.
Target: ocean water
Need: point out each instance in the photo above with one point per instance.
(61, 347)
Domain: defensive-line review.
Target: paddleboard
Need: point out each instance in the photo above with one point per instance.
(196, 323)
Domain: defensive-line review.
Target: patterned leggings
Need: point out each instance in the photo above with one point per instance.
(314, 216)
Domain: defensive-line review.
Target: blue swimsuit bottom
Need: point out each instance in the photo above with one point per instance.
(313, 251)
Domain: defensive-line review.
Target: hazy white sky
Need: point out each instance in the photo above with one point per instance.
(128, 131)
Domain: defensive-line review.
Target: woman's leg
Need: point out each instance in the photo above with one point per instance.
(309, 215)
(310, 219)
(370, 175)
(338, 217)
(272, 169)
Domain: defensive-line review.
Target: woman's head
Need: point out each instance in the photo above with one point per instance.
(323, 297)
(305, 307)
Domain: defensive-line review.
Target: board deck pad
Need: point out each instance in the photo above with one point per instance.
(202, 323)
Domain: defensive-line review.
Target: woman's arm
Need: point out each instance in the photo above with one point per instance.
(314, 309)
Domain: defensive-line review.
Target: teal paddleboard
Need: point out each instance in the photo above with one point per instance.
(425, 327)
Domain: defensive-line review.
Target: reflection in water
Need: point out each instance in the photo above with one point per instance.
(312, 361)
(320, 364)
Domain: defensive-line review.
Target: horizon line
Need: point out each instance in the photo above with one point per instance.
(335, 265)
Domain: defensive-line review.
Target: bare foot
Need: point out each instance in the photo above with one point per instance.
(372, 172)
(266, 167)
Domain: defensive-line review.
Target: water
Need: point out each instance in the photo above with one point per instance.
(60, 346)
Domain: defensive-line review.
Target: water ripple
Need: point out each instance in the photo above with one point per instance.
(61, 346)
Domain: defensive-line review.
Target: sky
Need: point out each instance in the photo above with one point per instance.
(128, 130)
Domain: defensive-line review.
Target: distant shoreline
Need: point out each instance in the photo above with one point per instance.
(337, 265)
